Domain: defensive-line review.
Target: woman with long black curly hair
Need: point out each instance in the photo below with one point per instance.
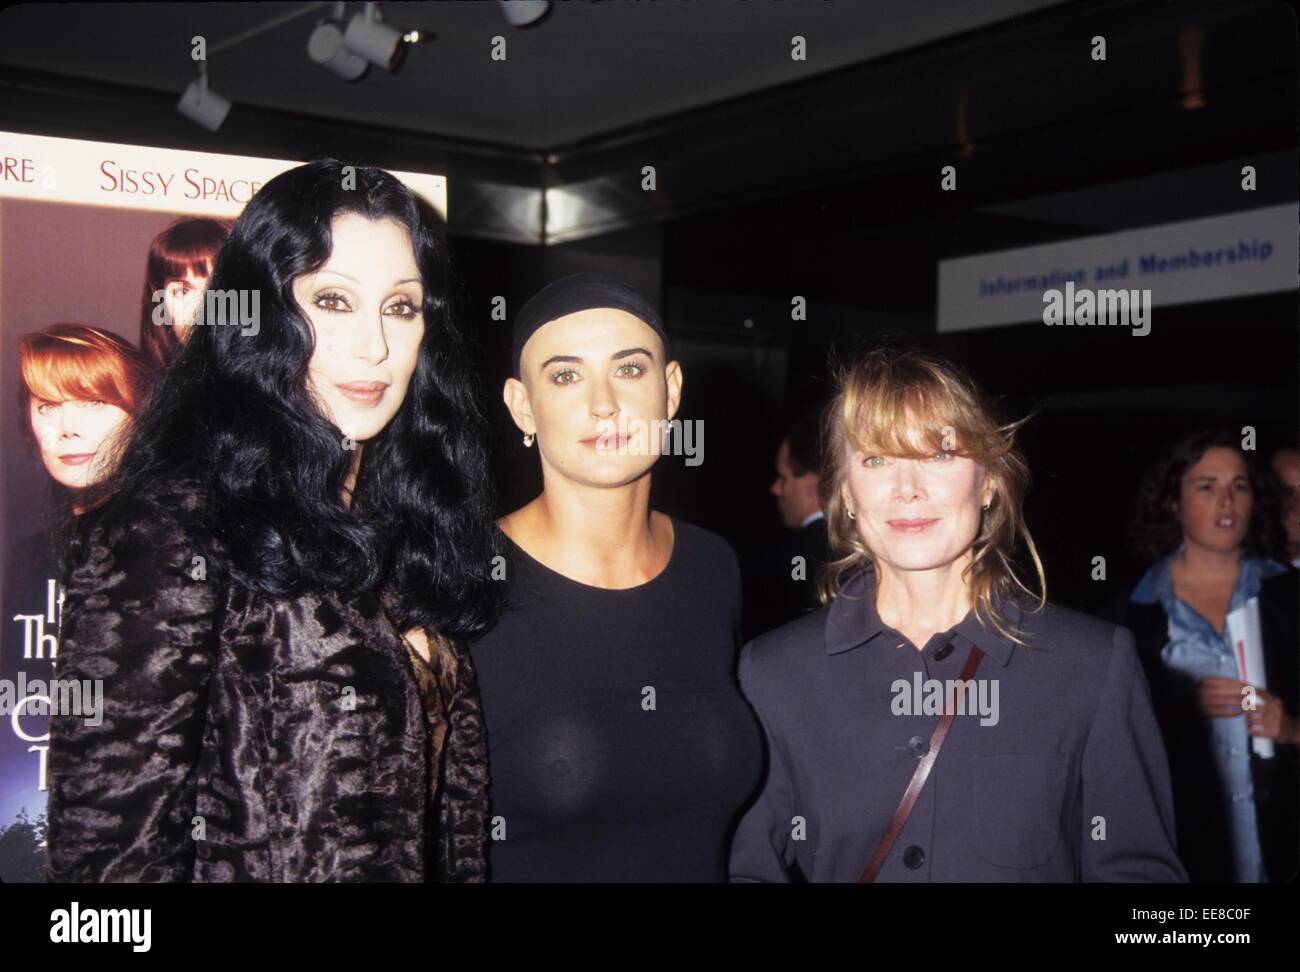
(305, 485)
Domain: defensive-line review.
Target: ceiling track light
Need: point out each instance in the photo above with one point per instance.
(521, 13)
(201, 104)
(345, 50)
(369, 37)
(325, 47)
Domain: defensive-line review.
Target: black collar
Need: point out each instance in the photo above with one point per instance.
(852, 621)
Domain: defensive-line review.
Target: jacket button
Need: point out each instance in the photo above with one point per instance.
(944, 652)
(913, 857)
(919, 746)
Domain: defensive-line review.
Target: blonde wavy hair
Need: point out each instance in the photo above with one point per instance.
(882, 399)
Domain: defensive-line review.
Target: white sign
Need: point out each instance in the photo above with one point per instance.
(67, 170)
(1255, 251)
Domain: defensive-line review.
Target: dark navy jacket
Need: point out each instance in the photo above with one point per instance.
(1069, 784)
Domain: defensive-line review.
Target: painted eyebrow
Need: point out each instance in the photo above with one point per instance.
(340, 273)
(575, 359)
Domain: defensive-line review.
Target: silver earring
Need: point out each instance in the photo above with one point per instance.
(528, 441)
(987, 505)
(852, 515)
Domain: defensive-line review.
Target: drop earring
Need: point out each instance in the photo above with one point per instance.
(528, 440)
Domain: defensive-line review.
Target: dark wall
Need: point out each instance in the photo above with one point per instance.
(831, 192)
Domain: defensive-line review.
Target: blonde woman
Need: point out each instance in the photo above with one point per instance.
(1021, 733)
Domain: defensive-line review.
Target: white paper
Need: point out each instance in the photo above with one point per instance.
(1248, 649)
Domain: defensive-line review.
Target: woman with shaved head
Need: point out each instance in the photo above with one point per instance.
(620, 747)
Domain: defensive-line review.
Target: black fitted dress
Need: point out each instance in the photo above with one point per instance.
(620, 747)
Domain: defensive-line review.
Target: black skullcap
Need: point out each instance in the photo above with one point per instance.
(577, 292)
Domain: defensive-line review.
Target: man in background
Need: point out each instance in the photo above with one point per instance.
(781, 573)
(798, 464)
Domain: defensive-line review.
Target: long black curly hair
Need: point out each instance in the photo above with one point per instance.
(233, 413)
(1153, 529)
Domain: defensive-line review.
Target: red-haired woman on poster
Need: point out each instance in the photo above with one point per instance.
(78, 388)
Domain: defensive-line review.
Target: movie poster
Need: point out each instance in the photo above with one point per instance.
(99, 244)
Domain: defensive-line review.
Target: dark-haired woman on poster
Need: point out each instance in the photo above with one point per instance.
(175, 276)
(1207, 515)
(305, 487)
